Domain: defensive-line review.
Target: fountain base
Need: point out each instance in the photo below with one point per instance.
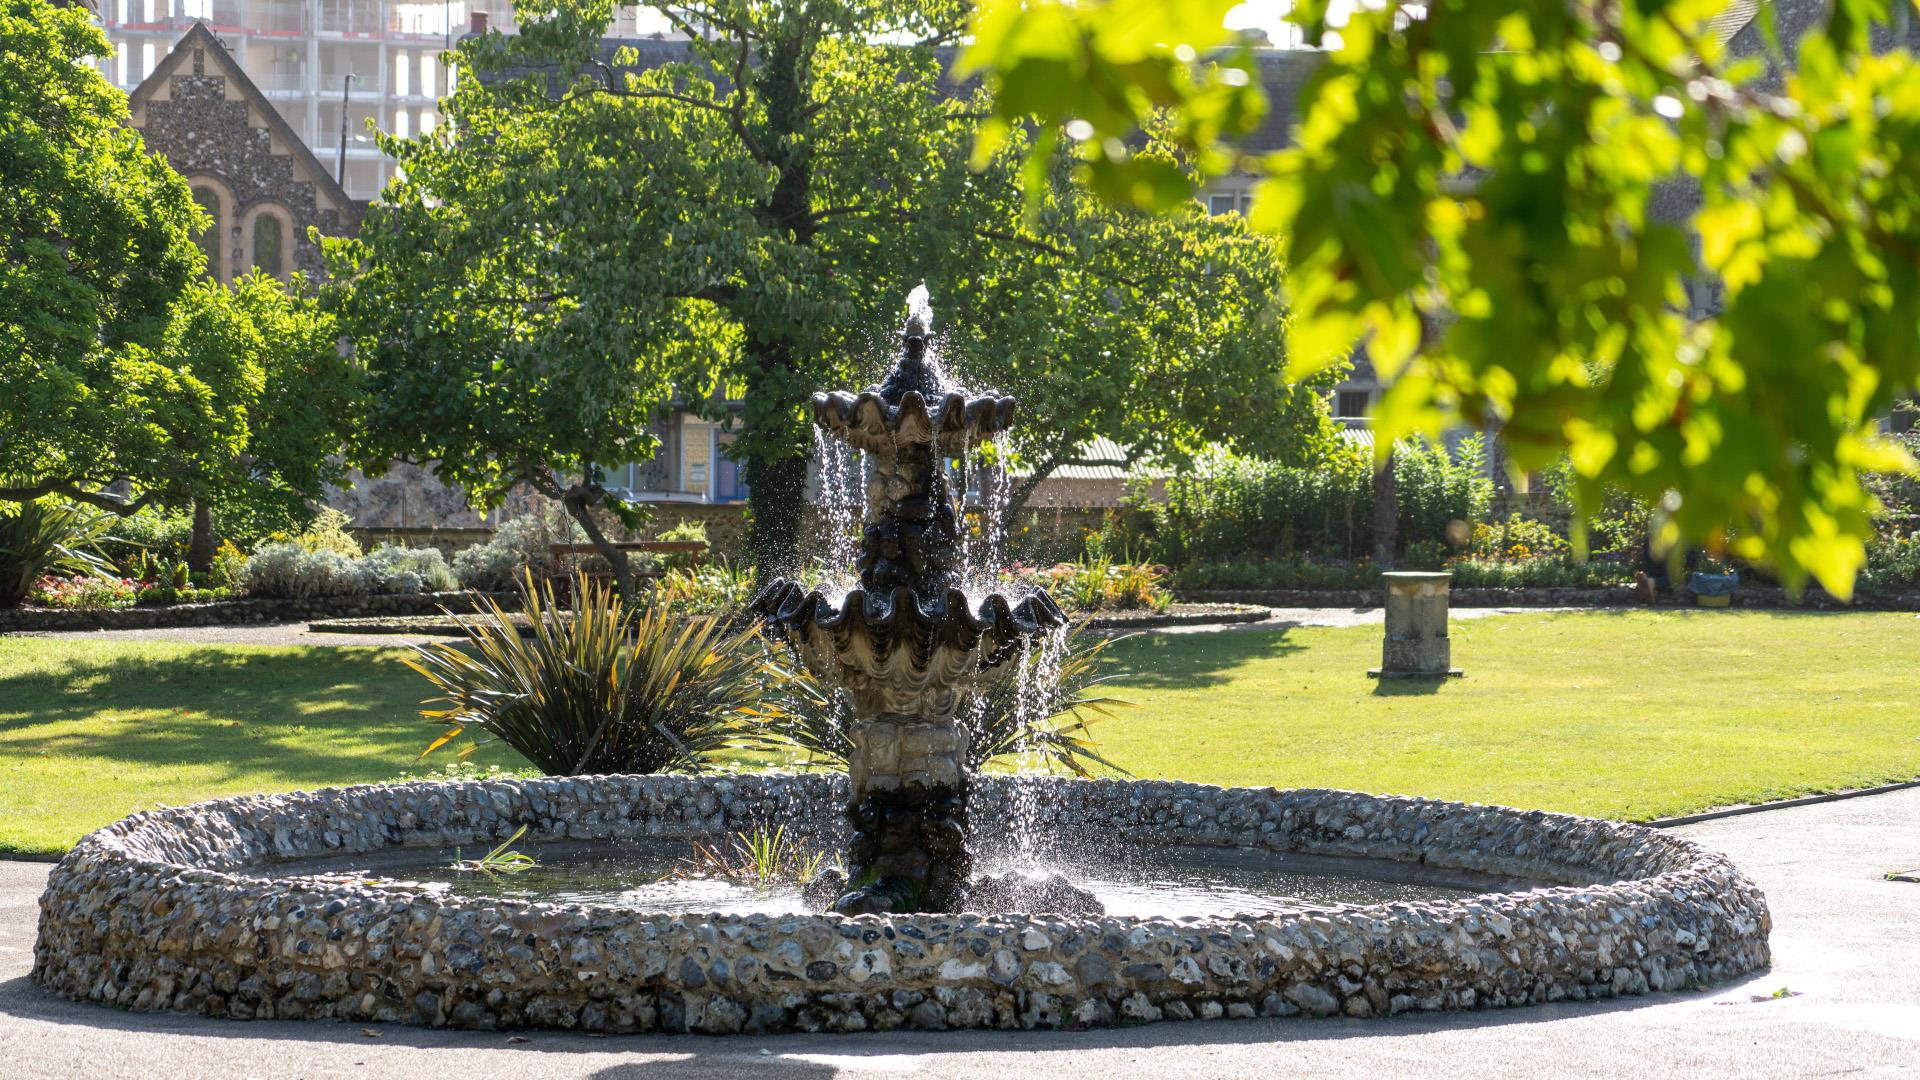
(908, 809)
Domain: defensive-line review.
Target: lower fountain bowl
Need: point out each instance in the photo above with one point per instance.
(177, 909)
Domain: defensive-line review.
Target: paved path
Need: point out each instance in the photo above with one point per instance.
(1846, 941)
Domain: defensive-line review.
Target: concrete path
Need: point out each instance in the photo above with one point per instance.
(1846, 945)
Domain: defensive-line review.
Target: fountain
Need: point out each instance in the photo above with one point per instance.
(909, 639)
(1240, 902)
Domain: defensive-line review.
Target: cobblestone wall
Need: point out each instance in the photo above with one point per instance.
(168, 910)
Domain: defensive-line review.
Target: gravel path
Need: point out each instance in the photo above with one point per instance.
(1846, 947)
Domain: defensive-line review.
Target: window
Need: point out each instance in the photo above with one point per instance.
(1351, 402)
(1229, 202)
(402, 74)
(209, 238)
(267, 243)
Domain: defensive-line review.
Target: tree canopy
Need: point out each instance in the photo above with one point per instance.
(98, 240)
(590, 239)
(285, 396)
(1473, 190)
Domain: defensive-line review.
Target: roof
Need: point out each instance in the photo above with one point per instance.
(306, 165)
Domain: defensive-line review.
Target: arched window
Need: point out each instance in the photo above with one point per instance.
(209, 238)
(267, 243)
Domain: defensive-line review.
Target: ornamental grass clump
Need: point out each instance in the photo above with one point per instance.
(602, 688)
(47, 537)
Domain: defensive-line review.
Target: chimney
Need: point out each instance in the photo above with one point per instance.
(476, 22)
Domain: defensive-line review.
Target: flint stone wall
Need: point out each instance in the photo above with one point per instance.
(168, 910)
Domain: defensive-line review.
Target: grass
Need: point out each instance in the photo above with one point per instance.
(1631, 714)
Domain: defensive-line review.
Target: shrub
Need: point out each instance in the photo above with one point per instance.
(153, 533)
(603, 689)
(520, 545)
(327, 532)
(287, 571)
(48, 537)
(811, 718)
(1098, 583)
(403, 569)
(1516, 539)
(712, 589)
(1229, 507)
(85, 593)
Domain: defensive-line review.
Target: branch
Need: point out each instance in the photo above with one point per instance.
(650, 92)
(72, 489)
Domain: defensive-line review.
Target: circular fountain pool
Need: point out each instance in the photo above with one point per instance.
(1304, 901)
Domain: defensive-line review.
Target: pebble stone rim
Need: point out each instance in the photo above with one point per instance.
(167, 910)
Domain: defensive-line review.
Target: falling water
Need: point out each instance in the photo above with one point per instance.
(842, 502)
(1037, 696)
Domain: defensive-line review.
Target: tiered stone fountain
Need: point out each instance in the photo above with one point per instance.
(268, 906)
(909, 639)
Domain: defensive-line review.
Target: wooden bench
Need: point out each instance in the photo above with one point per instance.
(692, 548)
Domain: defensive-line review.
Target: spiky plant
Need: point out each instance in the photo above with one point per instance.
(48, 537)
(810, 717)
(603, 688)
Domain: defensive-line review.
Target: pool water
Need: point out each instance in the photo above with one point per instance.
(1158, 881)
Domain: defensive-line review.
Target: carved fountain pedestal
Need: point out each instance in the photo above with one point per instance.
(907, 641)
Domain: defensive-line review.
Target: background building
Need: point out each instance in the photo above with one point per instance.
(322, 62)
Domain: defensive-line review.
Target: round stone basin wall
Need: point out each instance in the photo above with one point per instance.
(173, 909)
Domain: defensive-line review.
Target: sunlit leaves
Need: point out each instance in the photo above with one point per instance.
(1497, 197)
(95, 246)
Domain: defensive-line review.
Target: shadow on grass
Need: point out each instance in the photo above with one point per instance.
(1195, 661)
(1409, 685)
(280, 712)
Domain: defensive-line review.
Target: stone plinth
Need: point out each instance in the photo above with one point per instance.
(1416, 645)
(908, 812)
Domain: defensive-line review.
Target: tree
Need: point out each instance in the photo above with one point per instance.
(1163, 333)
(285, 389)
(98, 244)
(584, 244)
(1472, 187)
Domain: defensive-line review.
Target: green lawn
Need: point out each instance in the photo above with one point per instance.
(1635, 714)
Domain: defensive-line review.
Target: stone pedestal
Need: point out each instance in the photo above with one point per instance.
(908, 809)
(1416, 645)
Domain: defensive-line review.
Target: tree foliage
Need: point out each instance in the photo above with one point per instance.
(282, 395)
(1474, 188)
(98, 244)
(588, 241)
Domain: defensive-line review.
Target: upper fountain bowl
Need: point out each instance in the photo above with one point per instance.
(953, 421)
(912, 407)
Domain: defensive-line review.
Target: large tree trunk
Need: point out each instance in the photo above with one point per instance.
(776, 494)
(1386, 512)
(773, 446)
(200, 546)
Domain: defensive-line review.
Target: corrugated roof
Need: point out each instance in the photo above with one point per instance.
(1096, 459)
